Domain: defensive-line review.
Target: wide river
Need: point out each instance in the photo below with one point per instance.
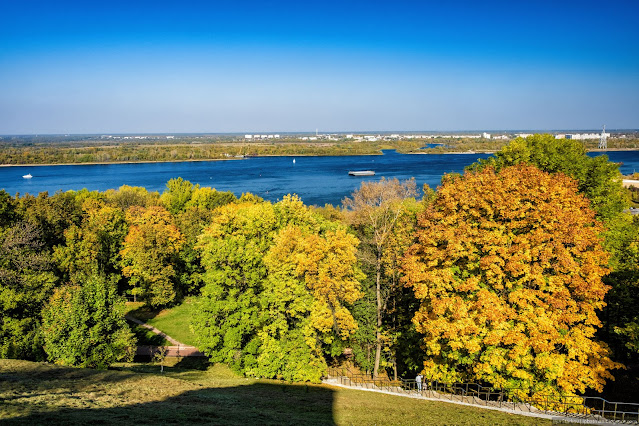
(317, 180)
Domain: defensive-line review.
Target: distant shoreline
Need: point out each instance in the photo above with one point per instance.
(105, 163)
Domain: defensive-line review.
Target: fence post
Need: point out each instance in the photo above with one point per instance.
(568, 405)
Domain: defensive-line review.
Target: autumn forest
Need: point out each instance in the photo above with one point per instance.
(522, 272)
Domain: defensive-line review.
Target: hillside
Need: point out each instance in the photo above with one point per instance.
(39, 393)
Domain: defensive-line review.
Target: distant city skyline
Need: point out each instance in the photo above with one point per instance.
(232, 67)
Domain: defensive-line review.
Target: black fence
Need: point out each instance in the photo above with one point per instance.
(591, 409)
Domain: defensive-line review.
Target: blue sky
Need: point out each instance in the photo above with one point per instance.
(259, 66)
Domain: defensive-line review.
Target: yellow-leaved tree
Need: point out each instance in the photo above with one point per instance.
(508, 270)
(279, 283)
(150, 248)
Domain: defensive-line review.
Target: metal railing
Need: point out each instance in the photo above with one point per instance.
(585, 407)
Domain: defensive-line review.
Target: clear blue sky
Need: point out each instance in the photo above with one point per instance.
(268, 66)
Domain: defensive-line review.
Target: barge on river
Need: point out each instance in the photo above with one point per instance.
(362, 173)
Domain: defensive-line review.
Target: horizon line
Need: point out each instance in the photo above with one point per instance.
(253, 132)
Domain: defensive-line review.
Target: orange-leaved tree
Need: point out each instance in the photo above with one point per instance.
(508, 270)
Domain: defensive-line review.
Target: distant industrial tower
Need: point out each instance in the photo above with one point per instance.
(603, 140)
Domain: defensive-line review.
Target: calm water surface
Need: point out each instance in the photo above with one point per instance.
(317, 180)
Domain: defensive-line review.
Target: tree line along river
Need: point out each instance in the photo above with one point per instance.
(317, 180)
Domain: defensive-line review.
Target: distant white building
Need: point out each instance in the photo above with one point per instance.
(248, 136)
(584, 136)
(485, 135)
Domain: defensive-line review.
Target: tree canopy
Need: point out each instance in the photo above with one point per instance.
(597, 178)
(26, 282)
(508, 267)
(278, 282)
(85, 325)
(150, 246)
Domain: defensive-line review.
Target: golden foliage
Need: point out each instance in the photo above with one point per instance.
(508, 269)
(325, 266)
(152, 241)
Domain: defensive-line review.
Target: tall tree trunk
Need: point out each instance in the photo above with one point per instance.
(378, 344)
(394, 348)
(394, 367)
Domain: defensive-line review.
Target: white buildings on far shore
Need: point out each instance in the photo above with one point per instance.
(262, 136)
(580, 136)
(406, 136)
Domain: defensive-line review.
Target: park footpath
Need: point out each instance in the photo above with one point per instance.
(495, 400)
(177, 349)
(455, 394)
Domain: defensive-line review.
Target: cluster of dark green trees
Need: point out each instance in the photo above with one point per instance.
(282, 289)
(67, 262)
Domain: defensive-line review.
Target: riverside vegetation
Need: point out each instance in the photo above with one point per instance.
(521, 272)
(78, 150)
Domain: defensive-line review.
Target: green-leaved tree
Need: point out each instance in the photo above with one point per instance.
(278, 282)
(85, 326)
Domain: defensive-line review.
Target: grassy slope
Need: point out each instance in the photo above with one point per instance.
(175, 321)
(39, 393)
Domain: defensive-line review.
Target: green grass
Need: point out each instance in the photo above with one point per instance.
(191, 391)
(175, 321)
(145, 336)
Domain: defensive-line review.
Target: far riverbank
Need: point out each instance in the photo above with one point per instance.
(88, 153)
(424, 152)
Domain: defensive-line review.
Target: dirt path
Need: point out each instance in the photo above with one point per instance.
(155, 330)
(178, 349)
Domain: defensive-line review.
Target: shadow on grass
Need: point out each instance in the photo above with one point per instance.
(46, 378)
(193, 363)
(144, 336)
(174, 321)
(145, 364)
(142, 311)
(258, 403)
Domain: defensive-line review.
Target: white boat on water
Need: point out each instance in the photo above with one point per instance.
(362, 173)
(27, 176)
